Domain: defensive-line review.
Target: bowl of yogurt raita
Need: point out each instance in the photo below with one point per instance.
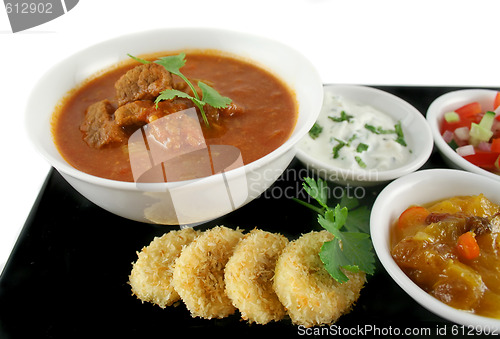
(365, 136)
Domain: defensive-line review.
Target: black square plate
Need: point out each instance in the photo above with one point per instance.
(67, 276)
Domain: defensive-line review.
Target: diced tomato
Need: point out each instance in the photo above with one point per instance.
(464, 122)
(483, 159)
(469, 110)
(495, 145)
(412, 216)
(496, 103)
(467, 246)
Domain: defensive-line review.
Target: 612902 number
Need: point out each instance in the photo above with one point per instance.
(462, 330)
(29, 8)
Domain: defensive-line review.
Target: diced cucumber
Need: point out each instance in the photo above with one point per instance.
(451, 117)
(478, 133)
(487, 120)
(453, 144)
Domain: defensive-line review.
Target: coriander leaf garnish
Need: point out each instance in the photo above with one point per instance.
(342, 251)
(358, 220)
(351, 139)
(351, 249)
(315, 131)
(142, 61)
(379, 130)
(360, 161)
(361, 147)
(212, 97)
(343, 117)
(337, 148)
(173, 64)
(171, 94)
(398, 130)
(317, 190)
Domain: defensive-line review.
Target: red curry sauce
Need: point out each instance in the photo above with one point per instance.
(267, 116)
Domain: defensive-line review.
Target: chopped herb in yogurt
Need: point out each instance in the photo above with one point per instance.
(351, 135)
(315, 131)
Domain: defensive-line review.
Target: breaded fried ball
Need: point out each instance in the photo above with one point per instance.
(310, 295)
(249, 274)
(199, 273)
(151, 275)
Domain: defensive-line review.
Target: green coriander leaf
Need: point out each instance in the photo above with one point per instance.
(317, 189)
(351, 268)
(361, 147)
(358, 220)
(350, 250)
(173, 63)
(348, 201)
(142, 61)
(343, 117)
(212, 97)
(379, 130)
(357, 251)
(334, 218)
(360, 161)
(354, 136)
(399, 132)
(170, 94)
(315, 131)
(337, 148)
(329, 254)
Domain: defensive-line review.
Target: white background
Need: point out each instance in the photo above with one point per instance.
(396, 42)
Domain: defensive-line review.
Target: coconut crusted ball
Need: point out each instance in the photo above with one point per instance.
(310, 295)
(151, 275)
(199, 273)
(249, 275)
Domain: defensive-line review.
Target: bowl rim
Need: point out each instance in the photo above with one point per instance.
(380, 233)
(435, 113)
(381, 175)
(296, 134)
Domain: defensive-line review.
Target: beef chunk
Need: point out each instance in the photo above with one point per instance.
(142, 112)
(478, 225)
(144, 82)
(99, 127)
(134, 113)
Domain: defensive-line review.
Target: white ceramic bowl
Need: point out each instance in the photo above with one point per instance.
(417, 134)
(186, 202)
(424, 187)
(449, 102)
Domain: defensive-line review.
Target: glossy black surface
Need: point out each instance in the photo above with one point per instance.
(67, 275)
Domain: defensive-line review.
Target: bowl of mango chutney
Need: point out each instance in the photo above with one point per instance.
(437, 234)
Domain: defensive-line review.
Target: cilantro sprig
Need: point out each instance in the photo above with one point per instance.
(351, 248)
(173, 64)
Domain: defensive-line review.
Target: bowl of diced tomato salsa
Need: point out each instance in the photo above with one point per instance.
(466, 129)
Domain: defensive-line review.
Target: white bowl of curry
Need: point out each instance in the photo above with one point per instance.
(436, 232)
(149, 144)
